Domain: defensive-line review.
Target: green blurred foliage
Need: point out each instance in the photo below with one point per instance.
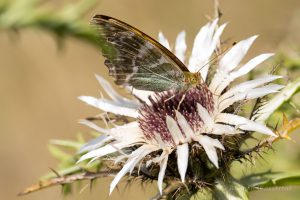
(16, 15)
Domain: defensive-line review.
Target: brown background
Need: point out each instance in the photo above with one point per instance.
(39, 84)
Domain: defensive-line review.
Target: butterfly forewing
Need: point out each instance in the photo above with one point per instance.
(135, 59)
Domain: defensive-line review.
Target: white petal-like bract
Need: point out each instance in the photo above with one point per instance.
(182, 159)
(244, 124)
(163, 40)
(209, 145)
(180, 46)
(163, 166)
(234, 56)
(110, 106)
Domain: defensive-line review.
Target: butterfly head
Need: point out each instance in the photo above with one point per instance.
(193, 79)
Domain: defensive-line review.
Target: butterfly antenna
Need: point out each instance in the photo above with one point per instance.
(208, 63)
(216, 56)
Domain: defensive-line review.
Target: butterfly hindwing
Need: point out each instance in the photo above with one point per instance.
(136, 59)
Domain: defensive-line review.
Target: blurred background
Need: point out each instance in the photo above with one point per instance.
(40, 82)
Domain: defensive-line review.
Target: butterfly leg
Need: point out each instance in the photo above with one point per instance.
(182, 98)
(168, 99)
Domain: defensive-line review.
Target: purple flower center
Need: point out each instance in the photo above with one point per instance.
(152, 118)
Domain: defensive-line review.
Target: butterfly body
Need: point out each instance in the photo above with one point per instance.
(135, 59)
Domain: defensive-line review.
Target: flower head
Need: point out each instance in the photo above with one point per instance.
(183, 135)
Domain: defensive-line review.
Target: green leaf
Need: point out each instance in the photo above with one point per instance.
(202, 194)
(271, 179)
(80, 138)
(229, 189)
(73, 170)
(67, 189)
(225, 188)
(66, 143)
(58, 153)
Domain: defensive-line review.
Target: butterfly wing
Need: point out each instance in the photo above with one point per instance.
(135, 59)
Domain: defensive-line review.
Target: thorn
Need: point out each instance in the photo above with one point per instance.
(277, 123)
(63, 188)
(285, 119)
(91, 184)
(55, 172)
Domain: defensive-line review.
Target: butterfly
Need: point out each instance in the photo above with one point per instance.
(135, 59)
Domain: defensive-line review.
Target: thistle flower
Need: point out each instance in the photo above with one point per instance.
(187, 135)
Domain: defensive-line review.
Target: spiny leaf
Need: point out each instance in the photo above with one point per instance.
(271, 179)
(66, 180)
(73, 170)
(228, 189)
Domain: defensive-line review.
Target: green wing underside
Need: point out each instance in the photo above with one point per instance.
(161, 78)
(136, 59)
